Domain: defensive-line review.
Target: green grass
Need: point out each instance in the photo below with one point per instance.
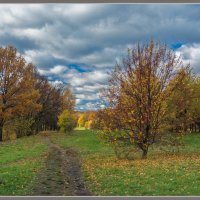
(161, 174)
(18, 178)
(153, 177)
(19, 162)
(85, 141)
(22, 148)
(192, 142)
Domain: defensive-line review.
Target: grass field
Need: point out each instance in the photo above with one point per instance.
(20, 160)
(161, 174)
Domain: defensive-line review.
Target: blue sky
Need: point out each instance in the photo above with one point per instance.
(80, 43)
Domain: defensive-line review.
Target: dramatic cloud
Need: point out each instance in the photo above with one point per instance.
(80, 43)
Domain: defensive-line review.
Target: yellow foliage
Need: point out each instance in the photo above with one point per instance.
(81, 121)
(66, 121)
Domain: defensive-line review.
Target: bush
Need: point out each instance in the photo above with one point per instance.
(66, 121)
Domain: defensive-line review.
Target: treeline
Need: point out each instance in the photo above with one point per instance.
(86, 119)
(29, 103)
(153, 98)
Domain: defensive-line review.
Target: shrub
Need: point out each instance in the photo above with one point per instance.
(66, 121)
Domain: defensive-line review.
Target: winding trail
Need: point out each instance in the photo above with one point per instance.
(62, 174)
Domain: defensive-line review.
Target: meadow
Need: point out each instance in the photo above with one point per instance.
(20, 161)
(163, 173)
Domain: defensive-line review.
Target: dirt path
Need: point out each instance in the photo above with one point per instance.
(62, 174)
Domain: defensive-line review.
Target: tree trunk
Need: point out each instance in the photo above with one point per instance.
(144, 154)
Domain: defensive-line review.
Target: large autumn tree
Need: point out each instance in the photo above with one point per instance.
(138, 92)
(18, 96)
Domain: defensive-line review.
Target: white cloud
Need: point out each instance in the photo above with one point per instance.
(35, 56)
(58, 69)
(90, 88)
(56, 82)
(88, 106)
(190, 53)
(95, 36)
(78, 101)
(88, 96)
(84, 78)
(44, 72)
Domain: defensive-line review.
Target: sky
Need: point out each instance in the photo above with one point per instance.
(79, 44)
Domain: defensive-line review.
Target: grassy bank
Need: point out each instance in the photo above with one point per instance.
(160, 174)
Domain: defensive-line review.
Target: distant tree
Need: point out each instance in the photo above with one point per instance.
(89, 119)
(51, 99)
(68, 99)
(194, 109)
(90, 124)
(54, 99)
(18, 97)
(81, 121)
(22, 126)
(137, 94)
(66, 121)
(86, 125)
(180, 103)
